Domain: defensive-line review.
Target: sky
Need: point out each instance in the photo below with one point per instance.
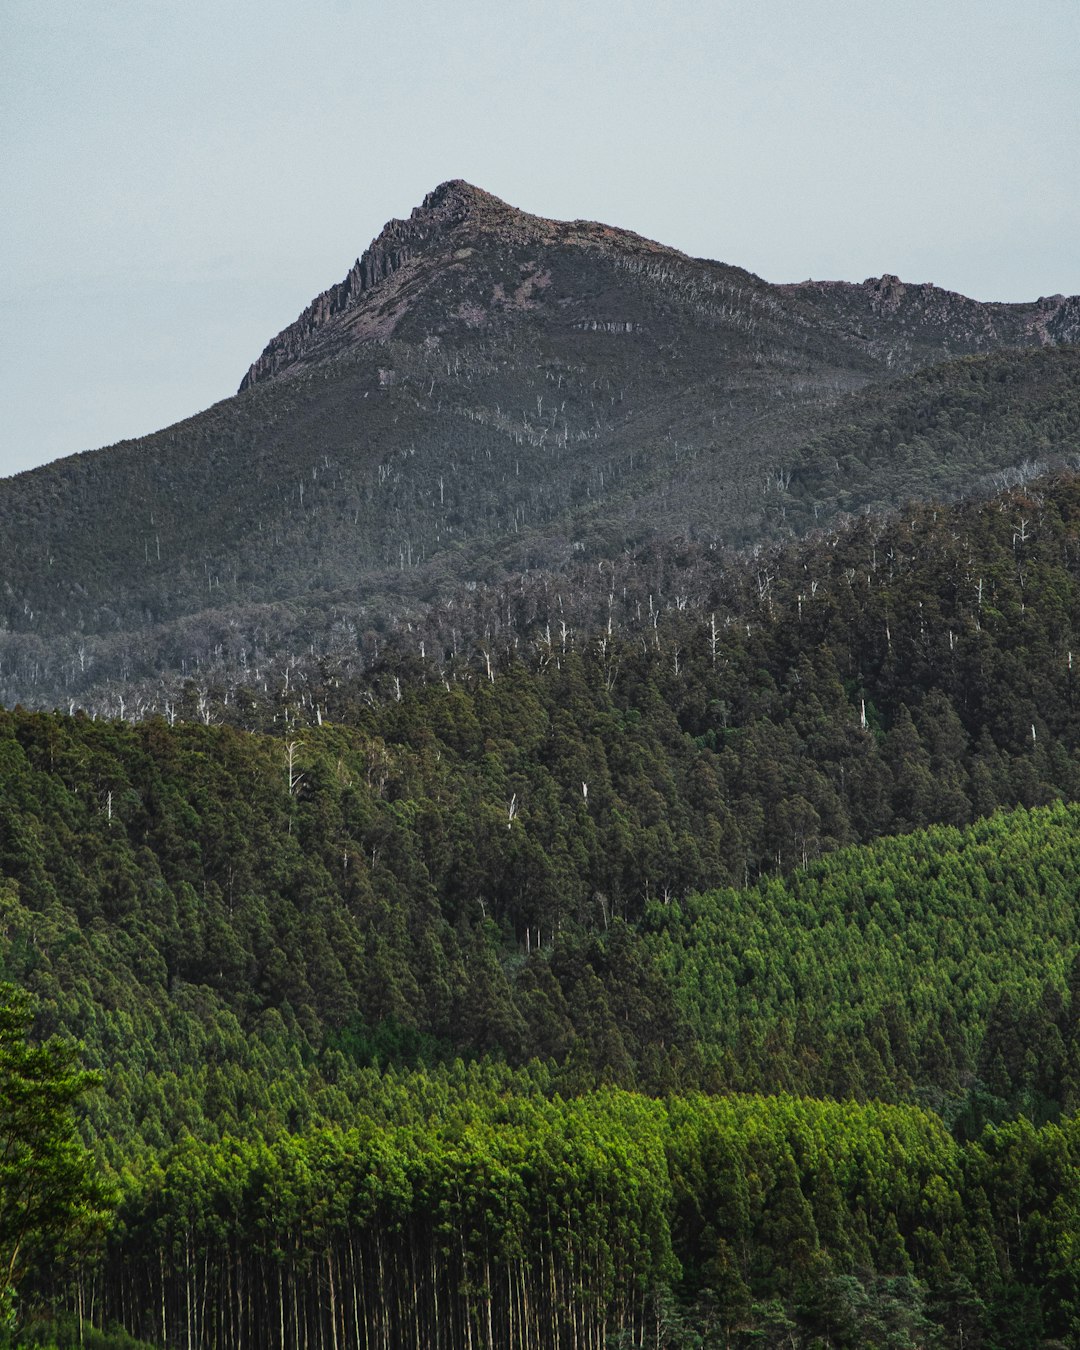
(181, 179)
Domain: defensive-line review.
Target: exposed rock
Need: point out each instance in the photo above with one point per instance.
(927, 312)
(442, 231)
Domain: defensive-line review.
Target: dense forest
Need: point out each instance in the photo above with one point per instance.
(671, 974)
(325, 1193)
(477, 1207)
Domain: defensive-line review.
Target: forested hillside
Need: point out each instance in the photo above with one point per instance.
(434, 1001)
(309, 1198)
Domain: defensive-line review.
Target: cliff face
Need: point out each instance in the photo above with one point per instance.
(427, 229)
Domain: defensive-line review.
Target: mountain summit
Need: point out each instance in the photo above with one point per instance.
(409, 256)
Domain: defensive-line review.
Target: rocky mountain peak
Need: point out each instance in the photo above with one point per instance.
(455, 201)
(457, 259)
(454, 219)
(455, 208)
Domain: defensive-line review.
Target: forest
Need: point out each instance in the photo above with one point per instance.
(699, 974)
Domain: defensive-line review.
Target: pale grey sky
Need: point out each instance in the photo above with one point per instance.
(181, 178)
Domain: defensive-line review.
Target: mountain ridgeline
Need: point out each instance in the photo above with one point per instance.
(489, 392)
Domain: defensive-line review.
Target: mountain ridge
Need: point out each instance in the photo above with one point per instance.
(1047, 321)
(456, 210)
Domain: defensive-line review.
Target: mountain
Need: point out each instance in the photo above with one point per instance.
(653, 926)
(488, 393)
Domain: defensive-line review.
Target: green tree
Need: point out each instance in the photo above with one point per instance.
(51, 1199)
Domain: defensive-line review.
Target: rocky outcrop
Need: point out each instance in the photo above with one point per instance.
(923, 316)
(445, 229)
(1058, 318)
(442, 211)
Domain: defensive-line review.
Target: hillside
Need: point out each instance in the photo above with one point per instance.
(490, 861)
(255, 1149)
(489, 392)
(712, 972)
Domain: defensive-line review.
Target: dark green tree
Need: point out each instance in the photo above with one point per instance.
(51, 1199)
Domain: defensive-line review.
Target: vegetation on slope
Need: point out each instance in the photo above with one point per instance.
(472, 1207)
(260, 1154)
(442, 982)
